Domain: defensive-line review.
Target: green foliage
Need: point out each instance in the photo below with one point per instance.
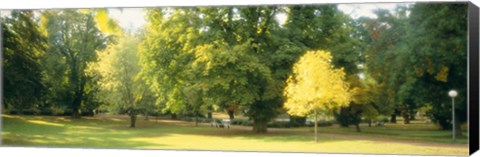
(440, 48)
(23, 46)
(73, 39)
(417, 56)
(121, 85)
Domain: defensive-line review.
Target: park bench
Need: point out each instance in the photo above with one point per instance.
(224, 123)
(379, 123)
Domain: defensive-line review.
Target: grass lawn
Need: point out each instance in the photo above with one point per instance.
(166, 134)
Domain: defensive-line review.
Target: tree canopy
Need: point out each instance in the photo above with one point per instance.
(257, 61)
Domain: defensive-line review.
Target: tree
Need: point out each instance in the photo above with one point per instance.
(166, 54)
(24, 45)
(315, 85)
(122, 88)
(73, 39)
(221, 56)
(312, 27)
(438, 55)
(364, 98)
(385, 38)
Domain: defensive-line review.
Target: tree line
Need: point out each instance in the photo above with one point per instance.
(198, 60)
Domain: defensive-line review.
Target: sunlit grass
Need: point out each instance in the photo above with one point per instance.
(114, 133)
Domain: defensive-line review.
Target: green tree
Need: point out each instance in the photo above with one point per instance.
(164, 58)
(384, 60)
(23, 46)
(73, 39)
(438, 55)
(364, 95)
(219, 56)
(122, 88)
(315, 86)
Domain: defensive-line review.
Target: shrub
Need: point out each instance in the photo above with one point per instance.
(57, 111)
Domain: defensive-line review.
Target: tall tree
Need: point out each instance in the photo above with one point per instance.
(312, 27)
(438, 53)
(224, 47)
(165, 55)
(74, 38)
(23, 46)
(315, 86)
(122, 87)
(385, 38)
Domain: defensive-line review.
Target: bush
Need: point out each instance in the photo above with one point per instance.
(243, 122)
(320, 123)
(57, 111)
(382, 119)
(276, 124)
(297, 121)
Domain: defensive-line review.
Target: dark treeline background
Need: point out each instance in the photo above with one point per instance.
(193, 61)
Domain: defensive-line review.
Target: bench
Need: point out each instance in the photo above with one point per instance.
(379, 123)
(224, 123)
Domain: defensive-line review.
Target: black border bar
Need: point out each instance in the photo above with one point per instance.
(473, 97)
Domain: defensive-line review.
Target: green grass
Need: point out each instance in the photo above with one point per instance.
(114, 133)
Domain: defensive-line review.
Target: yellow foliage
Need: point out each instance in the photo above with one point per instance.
(315, 85)
(106, 24)
(442, 74)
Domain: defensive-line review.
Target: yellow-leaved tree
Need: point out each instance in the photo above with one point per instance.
(315, 85)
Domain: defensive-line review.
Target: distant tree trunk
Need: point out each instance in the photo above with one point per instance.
(358, 127)
(369, 122)
(133, 119)
(209, 115)
(231, 111)
(412, 114)
(231, 114)
(393, 118)
(79, 86)
(76, 107)
(173, 116)
(259, 126)
(316, 125)
(196, 120)
(406, 118)
(19, 106)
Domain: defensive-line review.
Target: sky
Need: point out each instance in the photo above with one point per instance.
(134, 18)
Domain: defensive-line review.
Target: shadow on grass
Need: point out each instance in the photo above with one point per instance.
(115, 133)
(49, 132)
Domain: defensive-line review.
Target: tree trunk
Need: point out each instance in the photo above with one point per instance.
(231, 114)
(316, 125)
(412, 115)
(19, 106)
(173, 116)
(133, 120)
(259, 126)
(406, 119)
(370, 123)
(209, 115)
(358, 127)
(196, 121)
(76, 108)
(393, 118)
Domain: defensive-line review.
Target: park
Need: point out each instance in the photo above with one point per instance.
(292, 78)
